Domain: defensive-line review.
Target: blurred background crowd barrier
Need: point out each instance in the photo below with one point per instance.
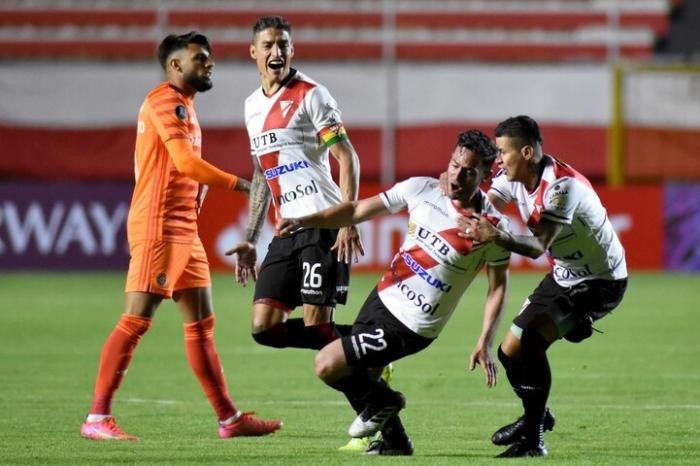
(615, 86)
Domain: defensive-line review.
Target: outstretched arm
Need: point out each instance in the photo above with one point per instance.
(341, 215)
(493, 311)
(531, 246)
(192, 166)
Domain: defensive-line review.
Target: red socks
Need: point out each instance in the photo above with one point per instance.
(205, 363)
(114, 360)
(201, 354)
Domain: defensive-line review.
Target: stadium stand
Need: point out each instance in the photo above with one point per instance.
(502, 30)
(562, 49)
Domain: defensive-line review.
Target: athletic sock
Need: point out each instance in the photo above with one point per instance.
(536, 382)
(360, 389)
(320, 335)
(288, 334)
(205, 363)
(343, 330)
(115, 358)
(293, 333)
(231, 420)
(513, 368)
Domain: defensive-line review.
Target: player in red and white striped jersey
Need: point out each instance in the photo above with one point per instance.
(416, 297)
(588, 278)
(294, 125)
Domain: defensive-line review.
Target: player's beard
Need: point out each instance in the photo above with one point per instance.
(200, 83)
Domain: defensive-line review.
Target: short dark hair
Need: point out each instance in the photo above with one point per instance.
(276, 22)
(521, 127)
(175, 42)
(480, 144)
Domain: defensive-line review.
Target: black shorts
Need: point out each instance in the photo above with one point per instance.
(378, 338)
(302, 269)
(569, 308)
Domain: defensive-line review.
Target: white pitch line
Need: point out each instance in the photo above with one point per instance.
(500, 404)
(159, 402)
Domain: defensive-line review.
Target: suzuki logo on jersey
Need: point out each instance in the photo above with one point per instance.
(298, 192)
(422, 273)
(274, 172)
(434, 240)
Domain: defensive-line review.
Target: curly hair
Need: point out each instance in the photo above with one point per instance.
(479, 143)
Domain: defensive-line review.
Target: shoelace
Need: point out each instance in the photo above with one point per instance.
(112, 424)
(375, 445)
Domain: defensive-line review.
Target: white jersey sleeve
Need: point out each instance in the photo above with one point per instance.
(501, 188)
(322, 109)
(561, 200)
(399, 196)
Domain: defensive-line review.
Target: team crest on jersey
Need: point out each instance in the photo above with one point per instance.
(557, 197)
(285, 106)
(181, 112)
(162, 279)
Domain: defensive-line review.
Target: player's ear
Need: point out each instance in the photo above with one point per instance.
(252, 51)
(174, 63)
(528, 152)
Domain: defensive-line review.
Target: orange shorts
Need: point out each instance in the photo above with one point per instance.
(161, 268)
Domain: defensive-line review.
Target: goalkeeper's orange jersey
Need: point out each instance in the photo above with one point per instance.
(164, 203)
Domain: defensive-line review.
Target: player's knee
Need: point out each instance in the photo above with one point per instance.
(261, 324)
(267, 338)
(506, 360)
(323, 366)
(318, 336)
(533, 343)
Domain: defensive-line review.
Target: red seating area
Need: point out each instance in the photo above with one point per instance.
(484, 35)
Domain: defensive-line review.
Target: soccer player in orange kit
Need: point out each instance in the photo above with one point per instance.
(167, 256)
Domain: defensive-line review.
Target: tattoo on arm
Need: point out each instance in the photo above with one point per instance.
(258, 203)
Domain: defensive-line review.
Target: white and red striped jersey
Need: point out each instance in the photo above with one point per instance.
(587, 248)
(434, 266)
(290, 133)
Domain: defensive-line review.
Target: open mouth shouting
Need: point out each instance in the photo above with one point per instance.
(275, 64)
(455, 189)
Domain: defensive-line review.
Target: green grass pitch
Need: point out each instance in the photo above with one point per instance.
(628, 396)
